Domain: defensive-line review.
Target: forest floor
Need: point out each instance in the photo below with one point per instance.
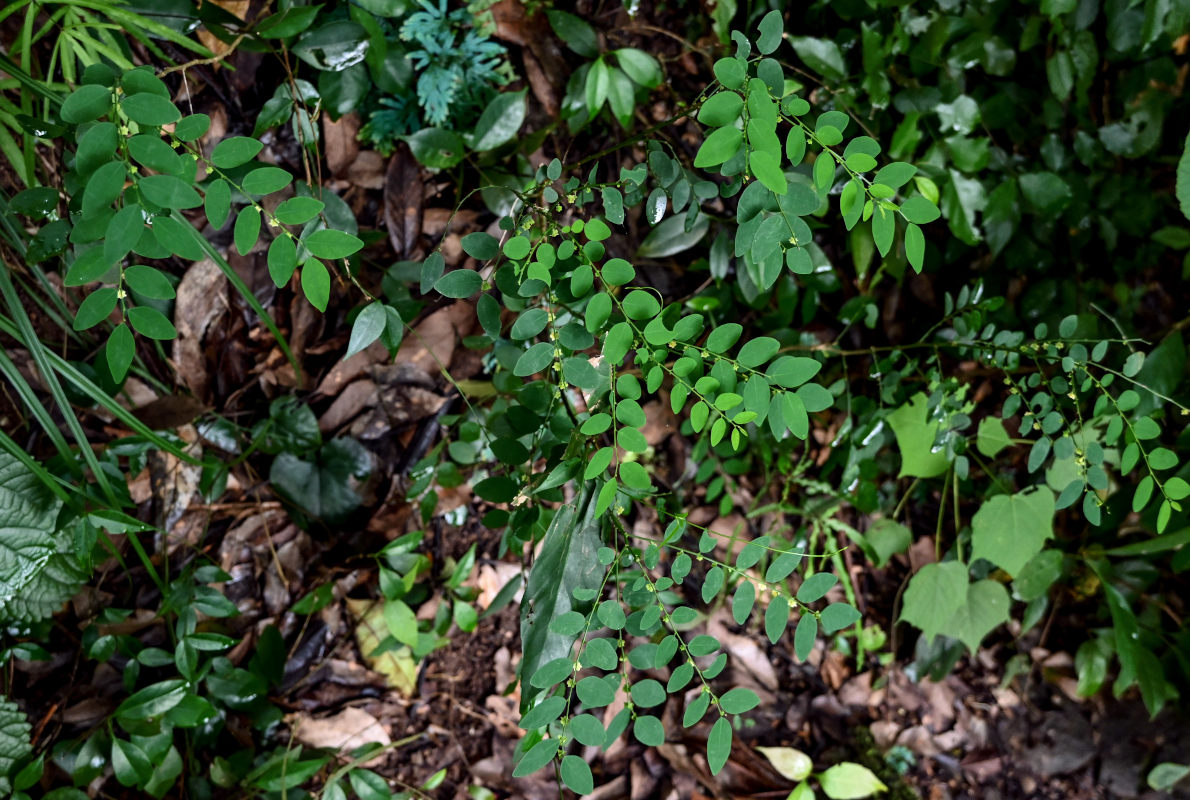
(976, 733)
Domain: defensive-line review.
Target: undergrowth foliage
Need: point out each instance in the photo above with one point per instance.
(577, 343)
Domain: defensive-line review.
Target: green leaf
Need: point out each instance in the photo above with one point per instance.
(1047, 193)
(648, 693)
(771, 28)
(641, 304)
(119, 351)
(217, 204)
(738, 701)
(821, 55)
(838, 616)
(14, 740)
(148, 282)
(316, 283)
(324, 485)
(793, 764)
(767, 168)
(534, 360)
(743, 601)
(577, 775)
(671, 237)
(1038, 575)
(437, 148)
(992, 437)
(895, 175)
(537, 757)
(400, 622)
(587, 729)
(282, 259)
(130, 763)
(933, 595)
(459, 283)
(641, 67)
(234, 151)
(37, 202)
(722, 108)
(123, 232)
(731, 72)
(247, 229)
(804, 636)
(517, 248)
(95, 308)
(500, 121)
(594, 692)
(169, 192)
(719, 745)
(886, 538)
(649, 731)
(298, 210)
(1181, 189)
(481, 246)
(153, 701)
(265, 180)
(919, 210)
(617, 272)
(816, 586)
(566, 561)
(544, 713)
(1133, 364)
(150, 109)
(984, 608)
(151, 323)
(578, 35)
(334, 46)
(104, 186)
(367, 785)
(915, 439)
(369, 324)
(1009, 530)
(597, 85)
(1164, 776)
(776, 618)
(847, 781)
(192, 127)
(719, 146)
(86, 103)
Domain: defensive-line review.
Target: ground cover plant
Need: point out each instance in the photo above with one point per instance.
(344, 339)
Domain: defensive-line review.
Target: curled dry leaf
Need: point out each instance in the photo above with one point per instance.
(201, 298)
(404, 192)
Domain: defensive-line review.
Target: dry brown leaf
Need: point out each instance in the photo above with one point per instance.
(237, 8)
(404, 192)
(350, 402)
(201, 298)
(431, 345)
(341, 147)
(350, 369)
(344, 732)
(367, 170)
(491, 579)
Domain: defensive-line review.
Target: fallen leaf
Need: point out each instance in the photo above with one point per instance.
(350, 402)
(201, 298)
(431, 345)
(396, 664)
(339, 142)
(793, 764)
(404, 193)
(350, 728)
(367, 170)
